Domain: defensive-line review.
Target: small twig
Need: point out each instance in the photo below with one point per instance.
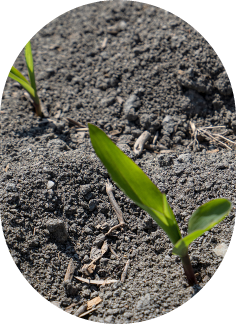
(89, 311)
(155, 138)
(113, 252)
(214, 139)
(228, 140)
(211, 127)
(81, 310)
(96, 282)
(104, 43)
(124, 273)
(88, 307)
(113, 228)
(194, 133)
(72, 305)
(74, 122)
(82, 129)
(117, 209)
(139, 144)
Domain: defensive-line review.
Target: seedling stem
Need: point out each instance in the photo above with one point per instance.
(188, 270)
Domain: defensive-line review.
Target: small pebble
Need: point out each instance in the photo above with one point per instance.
(220, 249)
(50, 184)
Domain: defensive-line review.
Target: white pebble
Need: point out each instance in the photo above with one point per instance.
(220, 249)
(50, 184)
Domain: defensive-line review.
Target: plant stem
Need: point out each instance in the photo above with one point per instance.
(188, 270)
(38, 109)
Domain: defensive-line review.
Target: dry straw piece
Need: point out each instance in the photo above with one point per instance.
(206, 133)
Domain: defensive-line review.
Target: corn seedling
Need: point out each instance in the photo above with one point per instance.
(138, 187)
(29, 86)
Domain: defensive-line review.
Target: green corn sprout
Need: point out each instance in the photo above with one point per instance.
(29, 86)
(138, 187)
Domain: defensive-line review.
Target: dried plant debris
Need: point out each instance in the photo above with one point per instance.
(81, 309)
(96, 282)
(76, 123)
(124, 273)
(70, 271)
(88, 269)
(139, 144)
(86, 307)
(89, 311)
(115, 132)
(93, 302)
(113, 252)
(117, 209)
(211, 133)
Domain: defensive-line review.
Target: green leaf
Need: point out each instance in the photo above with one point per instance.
(134, 182)
(18, 74)
(202, 220)
(25, 84)
(30, 65)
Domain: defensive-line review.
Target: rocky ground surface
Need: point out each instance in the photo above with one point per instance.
(126, 67)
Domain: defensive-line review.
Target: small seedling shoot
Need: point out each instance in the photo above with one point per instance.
(29, 86)
(138, 187)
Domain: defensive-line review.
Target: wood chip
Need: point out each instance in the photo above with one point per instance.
(88, 269)
(7, 167)
(181, 72)
(93, 302)
(213, 151)
(70, 271)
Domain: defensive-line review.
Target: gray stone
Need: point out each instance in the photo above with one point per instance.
(130, 107)
(220, 249)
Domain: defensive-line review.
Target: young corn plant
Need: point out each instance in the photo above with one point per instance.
(29, 86)
(138, 187)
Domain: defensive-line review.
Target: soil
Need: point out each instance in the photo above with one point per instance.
(126, 67)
